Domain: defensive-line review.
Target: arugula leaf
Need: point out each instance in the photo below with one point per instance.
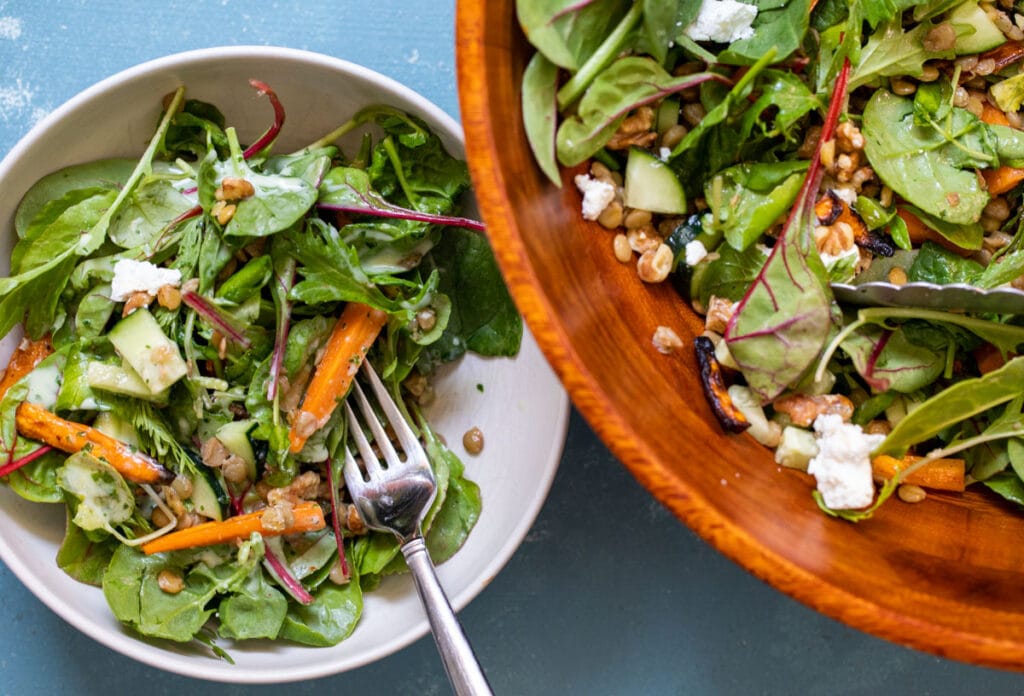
(953, 405)
(890, 52)
(747, 199)
(731, 273)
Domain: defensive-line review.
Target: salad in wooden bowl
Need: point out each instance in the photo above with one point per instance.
(794, 220)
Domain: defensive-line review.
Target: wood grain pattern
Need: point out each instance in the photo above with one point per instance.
(944, 576)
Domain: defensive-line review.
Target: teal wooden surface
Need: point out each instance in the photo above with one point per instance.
(609, 594)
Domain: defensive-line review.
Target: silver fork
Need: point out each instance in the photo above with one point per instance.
(395, 498)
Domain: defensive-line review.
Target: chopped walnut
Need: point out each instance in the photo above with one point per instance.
(720, 310)
(636, 130)
(135, 301)
(305, 486)
(223, 212)
(278, 517)
(834, 239)
(803, 409)
(169, 297)
(666, 340)
(233, 188)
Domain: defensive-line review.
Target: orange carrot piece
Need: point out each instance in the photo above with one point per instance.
(25, 357)
(36, 423)
(941, 474)
(353, 334)
(919, 233)
(993, 115)
(308, 517)
(1001, 179)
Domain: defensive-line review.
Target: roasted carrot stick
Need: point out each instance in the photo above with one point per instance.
(1000, 179)
(353, 334)
(919, 233)
(308, 517)
(36, 423)
(25, 357)
(941, 474)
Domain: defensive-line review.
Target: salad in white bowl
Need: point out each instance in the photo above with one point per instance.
(181, 326)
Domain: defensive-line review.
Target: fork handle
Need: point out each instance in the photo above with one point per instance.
(457, 654)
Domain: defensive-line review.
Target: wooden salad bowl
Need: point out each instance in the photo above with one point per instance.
(944, 576)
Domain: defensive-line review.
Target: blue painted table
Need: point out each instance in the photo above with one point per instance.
(608, 595)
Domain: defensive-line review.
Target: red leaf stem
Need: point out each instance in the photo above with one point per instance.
(275, 128)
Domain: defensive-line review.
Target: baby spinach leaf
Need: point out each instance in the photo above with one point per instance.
(540, 113)
(329, 619)
(876, 11)
(628, 83)
(256, 610)
(955, 404)
(567, 32)
(779, 26)
(483, 317)
(661, 22)
(931, 169)
(103, 498)
(1007, 484)
(936, 264)
(146, 214)
(82, 558)
(107, 174)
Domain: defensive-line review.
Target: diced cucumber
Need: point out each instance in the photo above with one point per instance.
(142, 344)
(235, 436)
(650, 184)
(117, 428)
(208, 496)
(982, 33)
(121, 380)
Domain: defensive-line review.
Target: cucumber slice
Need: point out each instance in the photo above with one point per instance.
(121, 380)
(117, 428)
(142, 344)
(650, 184)
(982, 33)
(208, 496)
(235, 436)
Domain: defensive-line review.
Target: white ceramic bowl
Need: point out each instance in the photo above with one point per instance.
(522, 409)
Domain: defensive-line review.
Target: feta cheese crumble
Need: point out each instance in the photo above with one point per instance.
(723, 21)
(131, 277)
(842, 466)
(695, 252)
(596, 195)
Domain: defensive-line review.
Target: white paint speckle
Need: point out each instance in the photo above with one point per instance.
(414, 56)
(14, 98)
(10, 28)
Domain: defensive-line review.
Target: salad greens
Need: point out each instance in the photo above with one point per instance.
(805, 143)
(180, 399)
